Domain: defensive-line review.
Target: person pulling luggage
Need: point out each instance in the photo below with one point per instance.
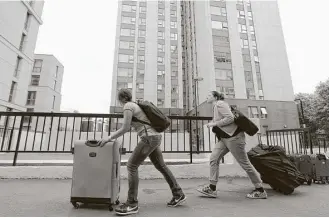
(230, 139)
(149, 146)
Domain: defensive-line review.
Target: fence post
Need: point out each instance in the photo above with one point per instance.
(18, 140)
(309, 141)
(267, 140)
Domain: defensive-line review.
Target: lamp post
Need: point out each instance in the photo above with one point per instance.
(302, 111)
(196, 80)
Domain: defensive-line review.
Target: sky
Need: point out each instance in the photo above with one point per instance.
(81, 35)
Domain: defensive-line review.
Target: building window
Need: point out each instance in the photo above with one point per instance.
(12, 92)
(128, 20)
(223, 57)
(253, 112)
(27, 21)
(160, 87)
(126, 45)
(141, 86)
(173, 24)
(125, 72)
(35, 79)
(173, 103)
(241, 14)
(160, 60)
(37, 66)
(141, 59)
(174, 90)
(130, 85)
(129, 8)
(174, 73)
(142, 21)
(250, 15)
(161, 48)
(161, 23)
(140, 72)
(254, 44)
(141, 33)
(252, 29)
(142, 9)
(22, 43)
(244, 43)
(263, 113)
(242, 28)
(174, 61)
(54, 85)
(218, 11)
(223, 74)
(173, 48)
(126, 58)
(127, 32)
(160, 102)
(173, 13)
(161, 11)
(219, 25)
(31, 96)
(160, 35)
(57, 71)
(18, 67)
(256, 59)
(173, 36)
(161, 73)
(141, 45)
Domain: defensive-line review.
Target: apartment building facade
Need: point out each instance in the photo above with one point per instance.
(19, 26)
(148, 51)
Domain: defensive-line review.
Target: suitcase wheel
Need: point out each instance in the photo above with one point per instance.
(288, 192)
(117, 202)
(309, 182)
(110, 207)
(76, 205)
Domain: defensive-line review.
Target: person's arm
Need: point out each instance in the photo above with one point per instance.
(227, 114)
(127, 117)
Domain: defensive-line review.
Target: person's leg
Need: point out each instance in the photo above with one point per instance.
(156, 158)
(237, 145)
(219, 151)
(140, 153)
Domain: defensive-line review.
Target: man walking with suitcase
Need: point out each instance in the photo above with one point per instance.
(134, 115)
(231, 139)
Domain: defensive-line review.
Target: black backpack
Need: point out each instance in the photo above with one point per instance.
(158, 120)
(244, 123)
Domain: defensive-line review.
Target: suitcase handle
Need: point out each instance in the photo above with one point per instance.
(93, 143)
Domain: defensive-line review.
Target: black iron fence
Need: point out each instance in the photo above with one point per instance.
(298, 141)
(25, 132)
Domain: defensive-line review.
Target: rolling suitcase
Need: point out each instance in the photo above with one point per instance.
(304, 164)
(96, 173)
(321, 168)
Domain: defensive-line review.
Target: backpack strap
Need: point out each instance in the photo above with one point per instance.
(141, 121)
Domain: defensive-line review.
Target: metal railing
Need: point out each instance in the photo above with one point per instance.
(31, 132)
(298, 141)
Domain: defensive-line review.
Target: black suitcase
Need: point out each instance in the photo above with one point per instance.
(275, 168)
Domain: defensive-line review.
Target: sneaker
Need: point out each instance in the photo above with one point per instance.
(126, 209)
(176, 201)
(208, 191)
(257, 195)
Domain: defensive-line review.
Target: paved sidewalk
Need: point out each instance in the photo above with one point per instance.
(52, 198)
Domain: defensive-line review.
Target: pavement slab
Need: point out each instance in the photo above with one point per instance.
(51, 197)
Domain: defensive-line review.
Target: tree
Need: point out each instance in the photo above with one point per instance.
(309, 102)
(322, 105)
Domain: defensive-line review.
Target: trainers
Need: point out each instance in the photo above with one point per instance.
(126, 209)
(208, 191)
(176, 201)
(257, 195)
